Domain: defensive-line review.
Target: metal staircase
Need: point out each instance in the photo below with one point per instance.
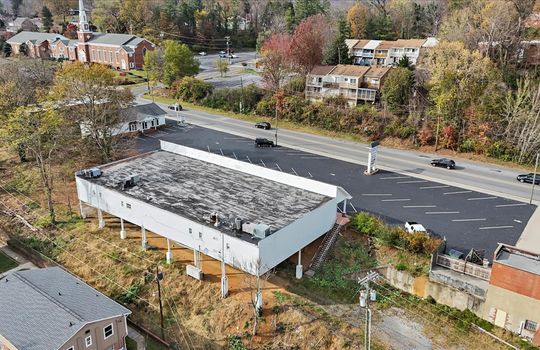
(327, 243)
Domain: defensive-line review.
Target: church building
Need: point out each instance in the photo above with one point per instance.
(120, 51)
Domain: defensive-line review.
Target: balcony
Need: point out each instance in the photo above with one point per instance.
(347, 85)
(313, 94)
(328, 84)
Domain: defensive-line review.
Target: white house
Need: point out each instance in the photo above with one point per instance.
(388, 52)
(247, 216)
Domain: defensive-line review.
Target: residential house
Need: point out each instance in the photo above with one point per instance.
(387, 52)
(354, 83)
(23, 23)
(513, 297)
(44, 309)
(120, 51)
(143, 117)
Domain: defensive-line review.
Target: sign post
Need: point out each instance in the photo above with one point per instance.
(372, 158)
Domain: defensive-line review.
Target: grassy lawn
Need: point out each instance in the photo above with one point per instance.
(135, 76)
(6, 263)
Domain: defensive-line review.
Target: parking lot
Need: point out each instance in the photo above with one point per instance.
(467, 219)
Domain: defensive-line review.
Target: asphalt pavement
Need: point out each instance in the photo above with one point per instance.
(467, 218)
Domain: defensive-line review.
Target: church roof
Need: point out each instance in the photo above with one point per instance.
(24, 37)
(113, 39)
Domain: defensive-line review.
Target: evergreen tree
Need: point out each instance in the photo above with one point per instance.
(46, 17)
(380, 28)
(6, 50)
(338, 52)
(290, 18)
(405, 62)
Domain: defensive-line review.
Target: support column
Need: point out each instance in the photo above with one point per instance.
(83, 215)
(345, 207)
(101, 222)
(197, 258)
(299, 267)
(123, 234)
(224, 281)
(168, 255)
(144, 242)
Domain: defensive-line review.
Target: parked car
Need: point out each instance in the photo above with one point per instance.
(222, 52)
(176, 107)
(444, 163)
(412, 227)
(202, 53)
(233, 56)
(528, 178)
(263, 125)
(222, 55)
(261, 142)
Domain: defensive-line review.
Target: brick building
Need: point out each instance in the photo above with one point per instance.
(513, 297)
(120, 51)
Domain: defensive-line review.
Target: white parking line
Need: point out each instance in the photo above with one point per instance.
(430, 187)
(221, 151)
(457, 192)
(249, 160)
(518, 221)
(314, 157)
(467, 220)
(294, 171)
(396, 200)
(419, 206)
(208, 149)
(278, 167)
(480, 198)
(263, 163)
(394, 177)
(376, 194)
(510, 205)
(411, 182)
(309, 174)
(441, 212)
(235, 157)
(494, 227)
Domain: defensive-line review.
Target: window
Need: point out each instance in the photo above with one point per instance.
(110, 56)
(117, 57)
(200, 234)
(353, 81)
(144, 51)
(93, 54)
(88, 341)
(99, 55)
(190, 230)
(531, 326)
(71, 348)
(108, 331)
(128, 205)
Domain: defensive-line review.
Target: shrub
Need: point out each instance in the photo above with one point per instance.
(191, 89)
(229, 99)
(131, 294)
(367, 223)
(296, 85)
(468, 145)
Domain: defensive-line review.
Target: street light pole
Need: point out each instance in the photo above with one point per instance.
(534, 177)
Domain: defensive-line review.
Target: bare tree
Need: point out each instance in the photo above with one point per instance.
(255, 284)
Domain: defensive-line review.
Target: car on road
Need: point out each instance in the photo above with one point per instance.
(202, 53)
(412, 227)
(528, 178)
(222, 52)
(263, 125)
(261, 142)
(176, 107)
(222, 55)
(233, 56)
(444, 163)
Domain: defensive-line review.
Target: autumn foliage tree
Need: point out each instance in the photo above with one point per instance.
(276, 60)
(357, 17)
(308, 43)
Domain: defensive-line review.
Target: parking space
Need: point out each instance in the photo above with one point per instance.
(468, 219)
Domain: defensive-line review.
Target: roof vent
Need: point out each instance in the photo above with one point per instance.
(131, 182)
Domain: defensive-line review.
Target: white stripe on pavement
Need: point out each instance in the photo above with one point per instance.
(457, 192)
(419, 206)
(429, 187)
(411, 182)
(467, 220)
(441, 212)
(396, 200)
(394, 177)
(494, 227)
(376, 194)
(480, 198)
(510, 205)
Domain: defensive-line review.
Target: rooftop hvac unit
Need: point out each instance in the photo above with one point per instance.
(90, 173)
(132, 181)
(261, 230)
(238, 224)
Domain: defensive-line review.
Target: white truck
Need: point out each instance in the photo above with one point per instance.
(413, 227)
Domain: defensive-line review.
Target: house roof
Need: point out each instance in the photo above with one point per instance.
(43, 308)
(350, 70)
(141, 112)
(409, 43)
(386, 45)
(351, 43)
(17, 22)
(25, 36)
(372, 44)
(361, 43)
(321, 70)
(377, 72)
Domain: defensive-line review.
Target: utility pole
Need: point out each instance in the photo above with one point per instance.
(437, 132)
(228, 38)
(534, 177)
(242, 99)
(159, 277)
(367, 295)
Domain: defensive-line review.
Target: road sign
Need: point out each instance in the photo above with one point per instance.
(372, 158)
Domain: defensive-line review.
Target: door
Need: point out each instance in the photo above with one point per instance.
(133, 126)
(500, 318)
(144, 125)
(124, 64)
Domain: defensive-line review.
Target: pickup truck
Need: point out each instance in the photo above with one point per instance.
(413, 227)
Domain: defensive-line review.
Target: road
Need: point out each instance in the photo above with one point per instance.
(468, 219)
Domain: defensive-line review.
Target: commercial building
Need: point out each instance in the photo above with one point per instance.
(44, 309)
(120, 51)
(245, 215)
(354, 83)
(513, 296)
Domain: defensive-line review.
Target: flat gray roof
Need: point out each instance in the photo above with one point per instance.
(522, 261)
(194, 189)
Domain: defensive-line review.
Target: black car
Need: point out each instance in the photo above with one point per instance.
(444, 162)
(260, 142)
(263, 125)
(176, 107)
(528, 178)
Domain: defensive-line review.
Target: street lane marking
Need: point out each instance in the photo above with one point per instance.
(314, 157)
(396, 200)
(480, 198)
(494, 227)
(510, 205)
(208, 148)
(429, 187)
(376, 194)
(411, 182)
(419, 206)
(466, 220)
(457, 192)
(394, 177)
(518, 221)
(441, 212)
(221, 151)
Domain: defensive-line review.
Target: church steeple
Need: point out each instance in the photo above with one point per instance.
(83, 21)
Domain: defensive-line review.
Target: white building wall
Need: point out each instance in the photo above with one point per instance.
(238, 253)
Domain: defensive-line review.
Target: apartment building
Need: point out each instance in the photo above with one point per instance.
(387, 52)
(353, 82)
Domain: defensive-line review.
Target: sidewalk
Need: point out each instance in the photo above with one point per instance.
(137, 337)
(530, 238)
